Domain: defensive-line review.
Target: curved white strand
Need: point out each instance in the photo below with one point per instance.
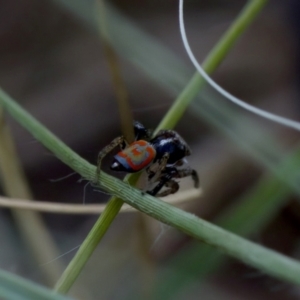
(260, 112)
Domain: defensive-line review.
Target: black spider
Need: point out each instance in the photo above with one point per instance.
(160, 156)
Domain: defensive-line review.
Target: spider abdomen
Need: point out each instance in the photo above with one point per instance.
(134, 158)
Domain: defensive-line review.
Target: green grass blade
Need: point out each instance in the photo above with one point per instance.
(253, 211)
(13, 287)
(215, 57)
(88, 246)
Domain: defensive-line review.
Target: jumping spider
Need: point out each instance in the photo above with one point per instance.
(160, 156)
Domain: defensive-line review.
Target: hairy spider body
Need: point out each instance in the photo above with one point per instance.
(160, 156)
(169, 141)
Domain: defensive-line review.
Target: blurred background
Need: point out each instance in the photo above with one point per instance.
(52, 63)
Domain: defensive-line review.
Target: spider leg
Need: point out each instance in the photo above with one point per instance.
(166, 179)
(173, 187)
(188, 172)
(180, 163)
(163, 180)
(158, 167)
(119, 141)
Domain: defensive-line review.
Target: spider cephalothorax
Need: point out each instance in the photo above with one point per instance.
(160, 156)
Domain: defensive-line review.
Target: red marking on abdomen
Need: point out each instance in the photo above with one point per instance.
(138, 155)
